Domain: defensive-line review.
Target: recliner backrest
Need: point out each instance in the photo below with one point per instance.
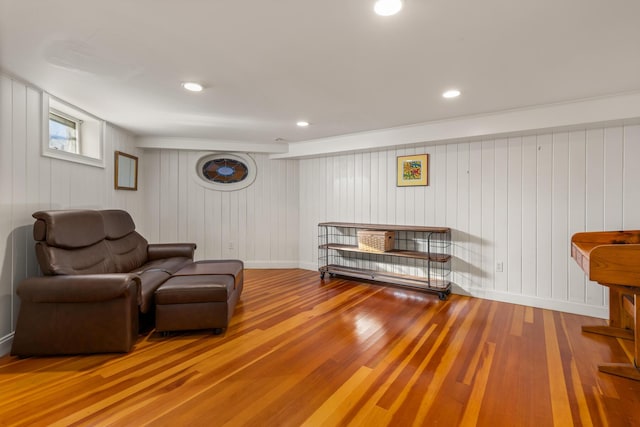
(71, 242)
(128, 248)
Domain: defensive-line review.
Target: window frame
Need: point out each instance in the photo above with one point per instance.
(77, 127)
(51, 104)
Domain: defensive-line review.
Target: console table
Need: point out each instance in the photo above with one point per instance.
(420, 257)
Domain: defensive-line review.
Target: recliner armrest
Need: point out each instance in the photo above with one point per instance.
(79, 288)
(168, 250)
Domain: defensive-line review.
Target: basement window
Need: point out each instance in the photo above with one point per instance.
(64, 132)
(71, 134)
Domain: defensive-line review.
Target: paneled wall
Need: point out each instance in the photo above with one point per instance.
(30, 182)
(258, 224)
(514, 201)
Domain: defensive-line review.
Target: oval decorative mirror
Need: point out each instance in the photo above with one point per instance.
(226, 171)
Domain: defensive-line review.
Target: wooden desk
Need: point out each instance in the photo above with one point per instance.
(612, 258)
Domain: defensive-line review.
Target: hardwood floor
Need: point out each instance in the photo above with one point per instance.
(305, 352)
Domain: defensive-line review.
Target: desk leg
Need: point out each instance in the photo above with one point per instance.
(627, 370)
(620, 323)
(636, 321)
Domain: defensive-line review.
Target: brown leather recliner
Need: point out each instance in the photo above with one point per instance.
(99, 275)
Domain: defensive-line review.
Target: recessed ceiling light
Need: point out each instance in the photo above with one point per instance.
(387, 7)
(192, 86)
(303, 124)
(453, 93)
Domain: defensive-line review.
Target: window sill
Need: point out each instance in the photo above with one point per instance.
(71, 157)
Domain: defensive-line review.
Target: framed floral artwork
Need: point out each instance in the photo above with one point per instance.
(413, 170)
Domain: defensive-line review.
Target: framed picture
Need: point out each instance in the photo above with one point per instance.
(126, 171)
(413, 170)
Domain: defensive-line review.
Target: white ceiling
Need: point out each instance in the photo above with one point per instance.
(269, 63)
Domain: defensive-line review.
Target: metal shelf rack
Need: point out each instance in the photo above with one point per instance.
(420, 258)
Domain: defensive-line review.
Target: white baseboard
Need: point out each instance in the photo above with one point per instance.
(532, 301)
(5, 344)
(271, 264)
(308, 266)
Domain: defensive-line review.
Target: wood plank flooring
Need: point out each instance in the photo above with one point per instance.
(301, 351)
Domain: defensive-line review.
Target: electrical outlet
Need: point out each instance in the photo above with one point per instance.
(499, 267)
(230, 246)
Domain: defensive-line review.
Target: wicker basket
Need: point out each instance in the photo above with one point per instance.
(375, 241)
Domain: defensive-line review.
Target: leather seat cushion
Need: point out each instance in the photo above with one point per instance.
(232, 267)
(195, 289)
(150, 281)
(169, 265)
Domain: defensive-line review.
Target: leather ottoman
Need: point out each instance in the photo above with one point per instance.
(193, 299)
(194, 302)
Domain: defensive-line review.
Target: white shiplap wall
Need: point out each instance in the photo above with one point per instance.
(517, 200)
(258, 224)
(31, 182)
(514, 200)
